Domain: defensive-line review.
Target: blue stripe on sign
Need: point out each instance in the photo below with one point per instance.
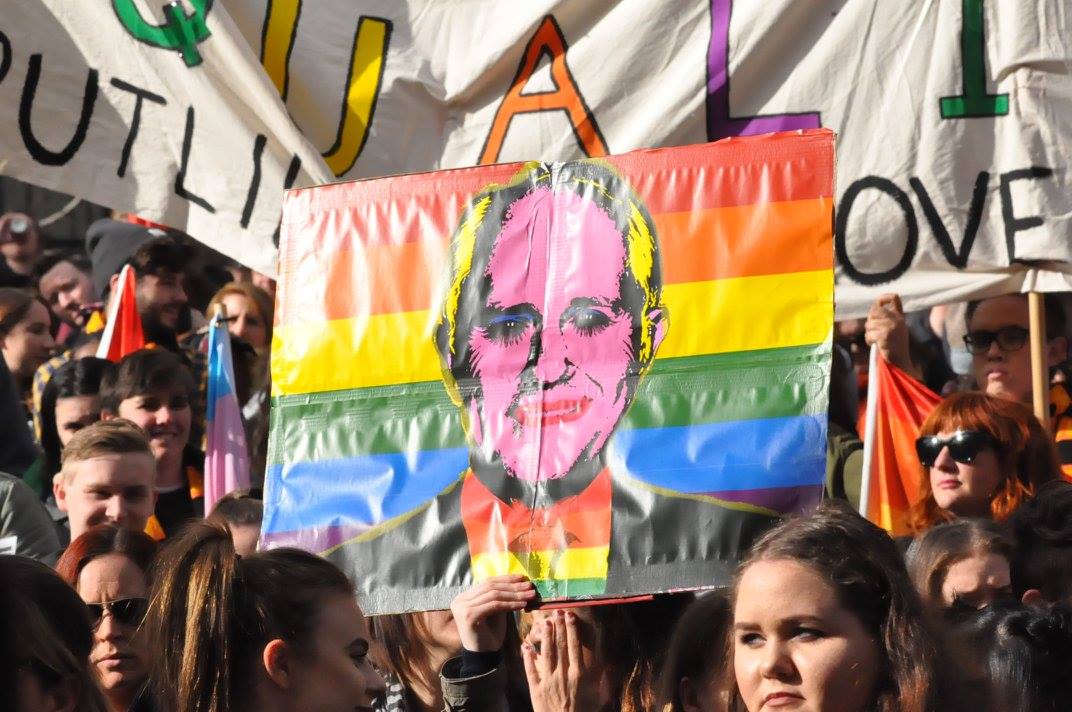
(726, 457)
(715, 457)
(359, 491)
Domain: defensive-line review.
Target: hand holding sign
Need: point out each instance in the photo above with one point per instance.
(886, 326)
(480, 612)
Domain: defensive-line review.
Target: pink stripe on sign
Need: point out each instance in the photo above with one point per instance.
(226, 459)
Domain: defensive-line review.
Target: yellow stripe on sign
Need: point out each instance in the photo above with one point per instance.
(366, 70)
(570, 564)
(719, 316)
(379, 350)
(278, 39)
(748, 313)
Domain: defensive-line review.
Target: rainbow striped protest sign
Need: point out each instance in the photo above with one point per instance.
(609, 375)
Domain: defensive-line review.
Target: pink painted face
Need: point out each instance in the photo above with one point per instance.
(553, 346)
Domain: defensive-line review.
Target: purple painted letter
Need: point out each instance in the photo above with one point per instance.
(719, 122)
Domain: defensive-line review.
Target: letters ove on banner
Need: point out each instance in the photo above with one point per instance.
(951, 119)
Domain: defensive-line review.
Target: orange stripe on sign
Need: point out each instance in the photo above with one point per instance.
(746, 241)
(697, 246)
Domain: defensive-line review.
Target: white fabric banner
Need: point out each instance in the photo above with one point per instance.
(953, 116)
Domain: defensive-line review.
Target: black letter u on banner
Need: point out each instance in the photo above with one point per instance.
(36, 148)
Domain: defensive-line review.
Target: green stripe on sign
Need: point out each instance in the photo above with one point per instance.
(561, 588)
(768, 383)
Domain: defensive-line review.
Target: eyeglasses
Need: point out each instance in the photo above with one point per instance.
(128, 611)
(1008, 338)
(964, 446)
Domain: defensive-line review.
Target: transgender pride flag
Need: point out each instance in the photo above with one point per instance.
(226, 456)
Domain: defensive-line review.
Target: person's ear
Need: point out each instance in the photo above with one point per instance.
(1056, 351)
(1033, 597)
(107, 415)
(278, 661)
(687, 692)
(659, 319)
(113, 282)
(59, 491)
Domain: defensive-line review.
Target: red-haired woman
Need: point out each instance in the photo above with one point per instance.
(981, 457)
(108, 567)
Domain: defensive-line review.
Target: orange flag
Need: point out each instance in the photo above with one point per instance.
(903, 404)
(122, 332)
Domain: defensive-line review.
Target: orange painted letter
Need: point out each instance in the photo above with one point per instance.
(565, 96)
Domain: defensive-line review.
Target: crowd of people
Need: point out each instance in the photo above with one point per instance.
(121, 594)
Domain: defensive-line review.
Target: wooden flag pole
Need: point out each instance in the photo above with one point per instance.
(871, 417)
(1040, 372)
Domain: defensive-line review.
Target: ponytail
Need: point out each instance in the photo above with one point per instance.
(190, 621)
(212, 612)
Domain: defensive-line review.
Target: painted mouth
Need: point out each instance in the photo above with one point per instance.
(552, 412)
(949, 484)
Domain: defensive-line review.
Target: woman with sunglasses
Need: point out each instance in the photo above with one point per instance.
(981, 456)
(108, 567)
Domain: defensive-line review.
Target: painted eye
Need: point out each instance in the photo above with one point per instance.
(508, 329)
(590, 321)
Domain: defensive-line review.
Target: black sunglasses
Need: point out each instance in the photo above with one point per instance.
(964, 446)
(1009, 338)
(128, 611)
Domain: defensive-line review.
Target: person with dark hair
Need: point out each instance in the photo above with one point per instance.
(965, 563)
(980, 456)
(154, 389)
(241, 511)
(46, 633)
(159, 261)
(20, 246)
(65, 282)
(70, 402)
(25, 337)
(692, 678)
(1016, 657)
(17, 448)
(109, 568)
(1042, 530)
(826, 618)
(276, 630)
(615, 662)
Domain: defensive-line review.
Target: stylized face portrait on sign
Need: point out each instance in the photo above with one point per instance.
(607, 375)
(553, 315)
